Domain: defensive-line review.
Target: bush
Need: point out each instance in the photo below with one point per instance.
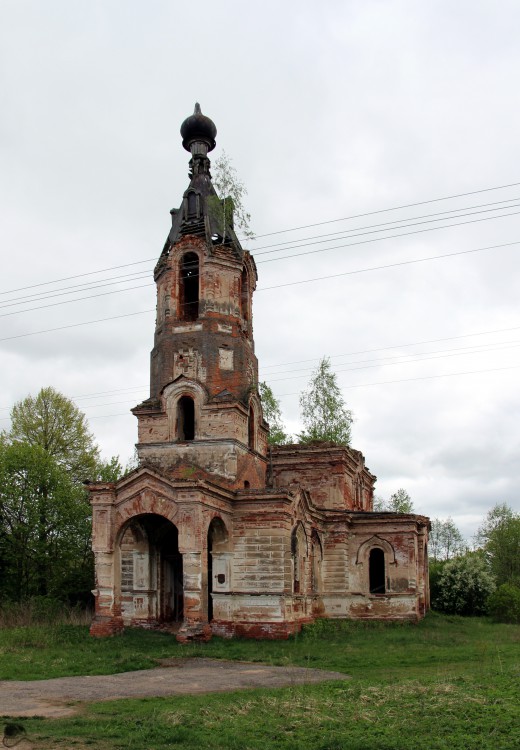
(464, 586)
(504, 604)
(435, 571)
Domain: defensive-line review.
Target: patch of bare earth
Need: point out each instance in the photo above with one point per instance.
(59, 697)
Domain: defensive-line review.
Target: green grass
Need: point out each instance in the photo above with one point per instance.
(446, 683)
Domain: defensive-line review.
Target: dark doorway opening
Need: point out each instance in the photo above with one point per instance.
(186, 418)
(171, 589)
(151, 571)
(189, 287)
(377, 571)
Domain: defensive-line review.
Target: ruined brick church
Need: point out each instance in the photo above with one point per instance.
(216, 532)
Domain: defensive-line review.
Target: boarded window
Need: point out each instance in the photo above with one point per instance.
(186, 418)
(377, 571)
(189, 287)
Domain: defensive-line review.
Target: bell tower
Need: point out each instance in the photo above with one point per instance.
(204, 416)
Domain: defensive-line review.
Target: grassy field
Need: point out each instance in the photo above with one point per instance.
(446, 683)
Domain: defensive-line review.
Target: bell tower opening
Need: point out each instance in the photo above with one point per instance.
(186, 418)
(189, 287)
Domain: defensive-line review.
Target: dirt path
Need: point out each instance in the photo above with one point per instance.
(56, 698)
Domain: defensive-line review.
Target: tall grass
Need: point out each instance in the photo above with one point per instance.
(42, 610)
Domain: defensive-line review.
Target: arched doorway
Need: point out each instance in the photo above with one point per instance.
(151, 578)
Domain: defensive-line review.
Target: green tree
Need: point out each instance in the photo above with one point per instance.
(464, 585)
(323, 410)
(273, 416)
(445, 540)
(500, 537)
(109, 471)
(399, 502)
(45, 548)
(227, 207)
(504, 604)
(46, 518)
(55, 424)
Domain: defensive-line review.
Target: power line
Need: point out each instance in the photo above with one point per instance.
(418, 357)
(78, 276)
(385, 226)
(303, 281)
(411, 380)
(282, 364)
(388, 265)
(76, 325)
(401, 346)
(85, 286)
(141, 275)
(78, 299)
(385, 210)
(281, 231)
(105, 282)
(382, 363)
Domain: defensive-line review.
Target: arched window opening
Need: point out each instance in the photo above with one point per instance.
(246, 485)
(377, 571)
(186, 418)
(251, 428)
(189, 287)
(244, 295)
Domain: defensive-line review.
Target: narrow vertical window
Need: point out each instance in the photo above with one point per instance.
(244, 295)
(192, 205)
(186, 418)
(377, 571)
(189, 287)
(251, 428)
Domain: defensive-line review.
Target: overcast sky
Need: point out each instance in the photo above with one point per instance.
(329, 111)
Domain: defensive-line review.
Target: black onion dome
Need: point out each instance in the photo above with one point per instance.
(198, 127)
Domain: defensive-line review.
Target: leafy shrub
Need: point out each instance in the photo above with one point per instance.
(435, 569)
(504, 604)
(464, 586)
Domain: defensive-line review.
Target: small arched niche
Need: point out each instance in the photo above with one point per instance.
(316, 559)
(189, 287)
(299, 553)
(218, 561)
(186, 418)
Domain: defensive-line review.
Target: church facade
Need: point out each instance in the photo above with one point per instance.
(216, 532)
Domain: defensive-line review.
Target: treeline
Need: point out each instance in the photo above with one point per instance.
(45, 516)
(485, 580)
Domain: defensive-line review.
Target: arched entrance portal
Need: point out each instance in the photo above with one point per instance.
(151, 571)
